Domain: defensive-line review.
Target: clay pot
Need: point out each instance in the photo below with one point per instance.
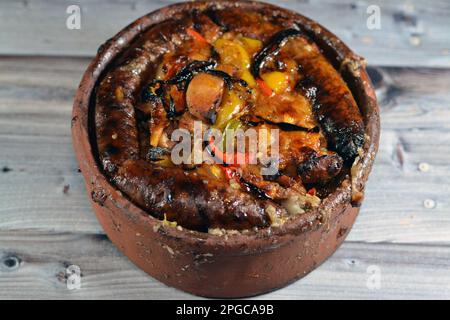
(235, 265)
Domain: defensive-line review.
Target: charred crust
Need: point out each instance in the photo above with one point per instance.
(272, 45)
(212, 14)
(111, 150)
(319, 169)
(345, 140)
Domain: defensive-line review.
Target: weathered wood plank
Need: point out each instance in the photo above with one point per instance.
(33, 264)
(408, 191)
(413, 32)
(36, 152)
(35, 143)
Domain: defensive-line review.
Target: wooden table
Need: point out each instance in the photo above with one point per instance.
(401, 238)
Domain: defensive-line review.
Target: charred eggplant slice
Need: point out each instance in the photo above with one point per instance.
(274, 43)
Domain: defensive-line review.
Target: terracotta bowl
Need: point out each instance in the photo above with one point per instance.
(237, 265)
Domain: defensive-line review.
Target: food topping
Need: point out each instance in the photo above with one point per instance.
(241, 77)
(204, 95)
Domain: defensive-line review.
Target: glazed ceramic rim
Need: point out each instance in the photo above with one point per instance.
(300, 224)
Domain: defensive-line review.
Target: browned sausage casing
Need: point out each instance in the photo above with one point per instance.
(188, 200)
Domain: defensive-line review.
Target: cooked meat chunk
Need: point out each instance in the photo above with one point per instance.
(203, 96)
(316, 168)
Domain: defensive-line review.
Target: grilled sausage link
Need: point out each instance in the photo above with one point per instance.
(333, 103)
(117, 134)
(188, 200)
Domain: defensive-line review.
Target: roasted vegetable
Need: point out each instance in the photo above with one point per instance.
(231, 106)
(197, 36)
(273, 43)
(277, 81)
(187, 72)
(292, 108)
(252, 46)
(232, 52)
(264, 87)
(204, 95)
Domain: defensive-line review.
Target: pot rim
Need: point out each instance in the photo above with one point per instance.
(329, 207)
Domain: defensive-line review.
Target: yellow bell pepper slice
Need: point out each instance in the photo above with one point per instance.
(248, 77)
(251, 45)
(232, 52)
(230, 107)
(277, 81)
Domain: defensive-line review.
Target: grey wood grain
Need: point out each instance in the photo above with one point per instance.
(33, 266)
(413, 32)
(35, 112)
(41, 188)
